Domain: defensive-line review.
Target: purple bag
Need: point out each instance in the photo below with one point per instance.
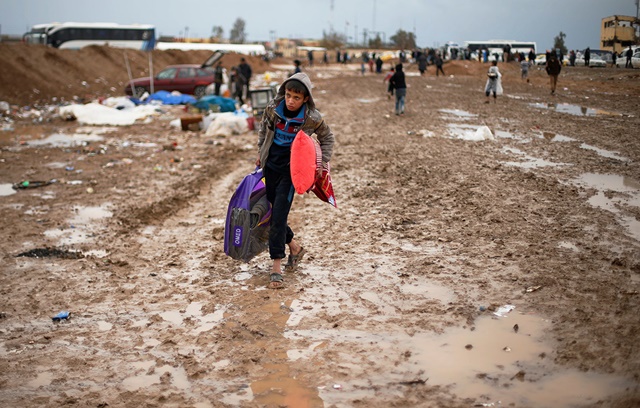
(246, 230)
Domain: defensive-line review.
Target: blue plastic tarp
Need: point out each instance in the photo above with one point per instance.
(167, 98)
(225, 104)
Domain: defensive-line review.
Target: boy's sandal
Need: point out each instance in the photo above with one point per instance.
(276, 281)
(294, 260)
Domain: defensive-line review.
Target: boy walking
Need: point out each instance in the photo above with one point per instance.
(293, 109)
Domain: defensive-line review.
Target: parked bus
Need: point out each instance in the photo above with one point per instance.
(78, 35)
(497, 46)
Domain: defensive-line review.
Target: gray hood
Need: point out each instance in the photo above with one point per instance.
(304, 79)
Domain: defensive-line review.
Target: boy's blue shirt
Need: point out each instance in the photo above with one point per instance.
(286, 130)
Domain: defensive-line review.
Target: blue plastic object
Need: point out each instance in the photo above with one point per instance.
(64, 315)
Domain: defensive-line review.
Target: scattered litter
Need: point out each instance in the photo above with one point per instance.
(483, 308)
(503, 310)
(337, 386)
(507, 349)
(285, 307)
(32, 184)
(64, 315)
(516, 327)
(533, 289)
(488, 404)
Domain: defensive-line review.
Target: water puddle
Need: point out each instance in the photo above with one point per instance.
(552, 137)
(43, 379)
(573, 109)
(528, 162)
(491, 362)
(178, 377)
(626, 192)
(81, 226)
(194, 312)
(458, 113)
(280, 386)
(6, 189)
(604, 153)
(365, 100)
(63, 140)
(104, 326)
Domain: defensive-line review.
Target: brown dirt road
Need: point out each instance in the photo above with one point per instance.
(394, 305)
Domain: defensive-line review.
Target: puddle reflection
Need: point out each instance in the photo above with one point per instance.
(492, 362)
(573, 109)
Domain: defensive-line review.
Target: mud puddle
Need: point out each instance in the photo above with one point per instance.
(626, 192)
(6, 189)
(527, 161)
(82, 226)
(489, 363)
(575, 110)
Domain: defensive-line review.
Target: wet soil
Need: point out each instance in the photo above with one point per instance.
(455, 272)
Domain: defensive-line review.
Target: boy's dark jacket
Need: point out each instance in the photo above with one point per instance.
(313, 123)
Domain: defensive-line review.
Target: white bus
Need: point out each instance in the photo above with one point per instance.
(497, 46)
(78, 35)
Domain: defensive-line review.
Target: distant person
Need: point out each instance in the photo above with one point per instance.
(572, 58)
(297, 68)
(494, 82)
(422, 63)
(218, 78)
(628, 54)
(614, 57)
(553, 69)
(439, 63)
(325, 58)
(399, 84)
(238, 82)
(245, 70)
(532, 56)
(387, 78)
(379, 63)
(587, 56)
(524, 69)
(310, 57)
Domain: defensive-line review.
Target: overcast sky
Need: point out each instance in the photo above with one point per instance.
(434, 22)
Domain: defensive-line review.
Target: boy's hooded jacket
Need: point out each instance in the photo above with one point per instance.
(313, 122)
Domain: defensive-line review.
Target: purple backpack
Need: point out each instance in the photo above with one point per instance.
(246, 230)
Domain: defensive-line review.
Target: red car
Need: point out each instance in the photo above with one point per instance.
(189, 79)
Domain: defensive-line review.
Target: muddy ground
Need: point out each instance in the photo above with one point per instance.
(401, 299)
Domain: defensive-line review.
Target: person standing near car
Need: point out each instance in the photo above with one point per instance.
(614, 56)
(553, 69)
(628, 54)
(245, 71)
(587, 56)
(218, 78)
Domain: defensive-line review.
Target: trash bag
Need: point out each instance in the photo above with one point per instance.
(246, 231)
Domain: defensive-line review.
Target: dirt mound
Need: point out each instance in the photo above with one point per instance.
(35, 74)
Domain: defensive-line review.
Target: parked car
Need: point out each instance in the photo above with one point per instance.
(541, 59)
(594, 61)
(621, 60)
(191, 79)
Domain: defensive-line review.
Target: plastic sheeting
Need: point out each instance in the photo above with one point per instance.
(225, 104)
(97, 114)
(171, 98)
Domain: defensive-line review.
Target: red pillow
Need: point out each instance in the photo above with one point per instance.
(306, 158)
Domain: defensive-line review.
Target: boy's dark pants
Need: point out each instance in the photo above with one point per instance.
(280, 194)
